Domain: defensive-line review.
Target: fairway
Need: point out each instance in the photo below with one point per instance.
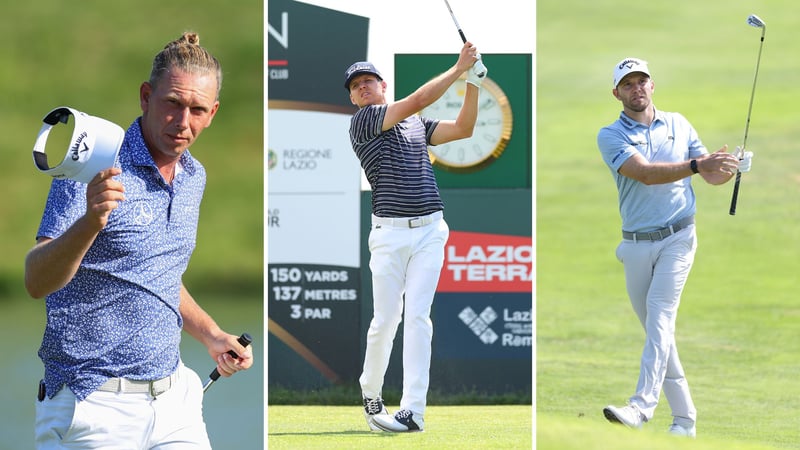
(581, 433)
(452, 427)
(738, 323)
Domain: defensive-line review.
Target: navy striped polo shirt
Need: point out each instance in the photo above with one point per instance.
(396, 163)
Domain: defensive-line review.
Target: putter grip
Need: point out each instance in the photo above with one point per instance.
(245, 339)
(735, 196)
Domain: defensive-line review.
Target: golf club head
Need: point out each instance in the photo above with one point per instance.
(755, 21)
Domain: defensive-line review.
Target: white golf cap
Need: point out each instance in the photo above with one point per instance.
(629, 65)
(94, 145)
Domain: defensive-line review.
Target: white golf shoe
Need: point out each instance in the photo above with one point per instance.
(402, 421)
(630, 416)
(678, 430)
(374, 407)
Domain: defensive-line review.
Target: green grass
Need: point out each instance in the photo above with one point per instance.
(738, 322)
(454, 427)
(581, 433)
(349, 394)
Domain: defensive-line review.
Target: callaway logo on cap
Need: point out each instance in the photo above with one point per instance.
(357, 69)
(94, 145)
(629, 65)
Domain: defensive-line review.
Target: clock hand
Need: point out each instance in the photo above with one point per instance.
(487, 104)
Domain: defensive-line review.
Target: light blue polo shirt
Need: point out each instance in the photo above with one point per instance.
(670, 138)
(119, 316)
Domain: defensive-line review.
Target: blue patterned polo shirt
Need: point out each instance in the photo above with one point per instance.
(119, 316)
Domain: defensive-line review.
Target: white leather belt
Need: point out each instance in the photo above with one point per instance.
(407, 222)
(126, 386)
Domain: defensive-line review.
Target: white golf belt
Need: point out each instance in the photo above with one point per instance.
(126, 386)
(407, 222)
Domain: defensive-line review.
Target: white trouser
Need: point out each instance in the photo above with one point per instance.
(171, 421)
(405, 264)
(655, 274)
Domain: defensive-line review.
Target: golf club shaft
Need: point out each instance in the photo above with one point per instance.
(480, 69)
(245, 339)
(735, 196)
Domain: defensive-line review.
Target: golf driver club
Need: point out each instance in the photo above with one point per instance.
(245, 340)
(754, 21)
(480, 69)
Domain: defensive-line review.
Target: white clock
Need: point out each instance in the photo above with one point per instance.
(492, 128)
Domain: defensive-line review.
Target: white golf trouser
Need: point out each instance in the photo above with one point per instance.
(122, 421)
(655, 274)
(405, 264)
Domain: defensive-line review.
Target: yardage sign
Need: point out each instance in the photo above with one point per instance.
(313, 193)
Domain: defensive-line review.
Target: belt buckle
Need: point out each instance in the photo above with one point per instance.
(413, 224)
(154, 392)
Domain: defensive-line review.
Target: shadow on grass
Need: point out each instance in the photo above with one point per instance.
(334, 433)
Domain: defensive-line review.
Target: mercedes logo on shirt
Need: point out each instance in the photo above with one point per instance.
(143, 214)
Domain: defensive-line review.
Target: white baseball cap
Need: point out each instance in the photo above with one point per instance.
(629, 65)
(94, 145)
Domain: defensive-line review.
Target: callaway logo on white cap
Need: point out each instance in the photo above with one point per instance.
(627, 66)
(94, 145)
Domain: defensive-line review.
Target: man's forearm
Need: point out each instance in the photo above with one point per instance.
(435, 88)
(52, 263)
(468, 114)
(196, 321)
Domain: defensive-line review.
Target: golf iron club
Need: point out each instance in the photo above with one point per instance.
(245, 339)
(754, 21)
(480, 69)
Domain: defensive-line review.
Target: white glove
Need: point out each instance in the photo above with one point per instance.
(477, 73)
(745, 159)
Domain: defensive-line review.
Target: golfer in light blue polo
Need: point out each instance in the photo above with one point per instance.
(652, 156)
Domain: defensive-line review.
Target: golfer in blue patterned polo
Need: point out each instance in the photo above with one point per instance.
(109, 259)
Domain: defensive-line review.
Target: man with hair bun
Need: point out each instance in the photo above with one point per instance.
(109, 260)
